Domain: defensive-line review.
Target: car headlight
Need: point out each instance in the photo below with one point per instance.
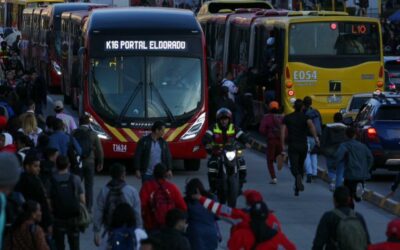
(98, 129)
(230, 155)
(194, 130)
(56, 67)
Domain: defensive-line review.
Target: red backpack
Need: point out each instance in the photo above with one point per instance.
(161, 203)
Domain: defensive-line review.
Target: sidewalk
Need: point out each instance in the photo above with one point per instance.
(258, 143)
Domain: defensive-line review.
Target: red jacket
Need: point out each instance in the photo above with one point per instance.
(270, 126)
(147, 189)
(385, 246)
(242, 237)
(11, 148)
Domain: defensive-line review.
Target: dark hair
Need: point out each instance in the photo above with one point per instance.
(193, 186)
(30, 158)
(30, 102)
(155, 243)
(160, 170)
(350, 132)
(123, 215)
(50, 120)
(338, 117)
(174, 216)
(58, 124)
(298, 105)
(84, 120)
(62, 162)
(49, 152)
(43, 140)
(117, 170)
(307, 101)
(28, 208)
(341, 196)
(258, 215)
(21, 138)
(157, 125)
(228, 73)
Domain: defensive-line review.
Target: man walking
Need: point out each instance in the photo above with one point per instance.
(68, 120)
(151, 150)
(115, 192)
(92, 156)
(297, 123)
(358, 160)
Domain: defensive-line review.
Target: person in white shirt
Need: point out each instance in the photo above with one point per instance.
(228, 82)
(68, 120)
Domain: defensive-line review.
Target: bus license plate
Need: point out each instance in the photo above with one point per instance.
(334, 99)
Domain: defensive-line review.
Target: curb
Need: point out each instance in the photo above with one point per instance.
(372, 197)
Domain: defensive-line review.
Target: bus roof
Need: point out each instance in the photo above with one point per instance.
(44, 1)
(76, 16)
(59, 8)
(226, 6)
(143, 20)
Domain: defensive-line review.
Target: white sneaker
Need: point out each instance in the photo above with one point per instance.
(332, 186)
(273, 181)
(359, 190)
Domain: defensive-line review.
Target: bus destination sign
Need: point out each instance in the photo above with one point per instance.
(144, 45)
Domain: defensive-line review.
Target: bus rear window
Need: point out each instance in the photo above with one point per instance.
(388, 113)
(334, 39)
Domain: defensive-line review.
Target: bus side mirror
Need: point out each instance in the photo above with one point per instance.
(82, 51)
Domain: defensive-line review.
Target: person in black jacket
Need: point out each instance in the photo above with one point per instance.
(172, 237)
(32, 188)
(151, 150)
(326, 236)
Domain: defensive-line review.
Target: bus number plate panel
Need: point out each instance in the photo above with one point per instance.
(335, 86)
(334, 99)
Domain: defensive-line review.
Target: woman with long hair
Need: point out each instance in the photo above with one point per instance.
(202, 231)
(30, 128)
(26, 234)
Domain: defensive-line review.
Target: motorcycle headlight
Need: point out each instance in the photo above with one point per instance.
(194, 130)
(230, 155)
(56, 68)
(98, 129)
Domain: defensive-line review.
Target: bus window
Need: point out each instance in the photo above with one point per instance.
(334, 39)
(219, 42)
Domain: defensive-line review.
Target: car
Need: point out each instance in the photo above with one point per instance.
(392, 74)
(378, 127)
(354, 105)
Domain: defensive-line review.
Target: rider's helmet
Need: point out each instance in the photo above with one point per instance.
(224, 113)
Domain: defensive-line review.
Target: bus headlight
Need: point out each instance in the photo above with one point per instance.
(56, 68)
(195, 128)
(98, 130)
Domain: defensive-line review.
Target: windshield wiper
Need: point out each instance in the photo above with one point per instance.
(130, 101)
(163, 104)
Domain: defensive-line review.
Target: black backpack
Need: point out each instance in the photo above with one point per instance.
(64, 200)
(114, 198)
(83, 138)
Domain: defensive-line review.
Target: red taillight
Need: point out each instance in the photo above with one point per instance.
(287, 73)
(372, 134)
(381, 72)
(290, 93)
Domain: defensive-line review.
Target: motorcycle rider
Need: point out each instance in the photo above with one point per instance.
(224, 132)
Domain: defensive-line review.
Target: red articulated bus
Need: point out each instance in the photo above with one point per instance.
(140, 65)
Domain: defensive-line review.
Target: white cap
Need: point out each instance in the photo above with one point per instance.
(58, 105)
(271, 41)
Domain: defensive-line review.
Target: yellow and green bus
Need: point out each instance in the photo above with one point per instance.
(328, 56)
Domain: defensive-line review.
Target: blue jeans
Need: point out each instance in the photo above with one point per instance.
(311, 162)
(335, 175)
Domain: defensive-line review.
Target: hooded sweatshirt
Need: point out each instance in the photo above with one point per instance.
(8, 144)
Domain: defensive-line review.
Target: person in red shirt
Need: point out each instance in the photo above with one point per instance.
(6, 143)
(149, 192)
(258, 227)
(393, 234)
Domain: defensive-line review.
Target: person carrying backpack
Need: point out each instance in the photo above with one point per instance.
(92, 156)
(342, 227)
(270, 127)
(66, 195)
(123, 234)
(311, 163)
(116, 192)
(158, 196)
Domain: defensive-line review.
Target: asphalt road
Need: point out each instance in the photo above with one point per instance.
(299, 215)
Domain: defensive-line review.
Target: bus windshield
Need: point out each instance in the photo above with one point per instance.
(334, 39)
(125, 88)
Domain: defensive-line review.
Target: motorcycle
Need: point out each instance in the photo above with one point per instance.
(228, 184)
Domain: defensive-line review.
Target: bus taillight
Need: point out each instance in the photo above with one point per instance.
(379, 84)
(289, 84)
(290, 93)
(381, 72)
